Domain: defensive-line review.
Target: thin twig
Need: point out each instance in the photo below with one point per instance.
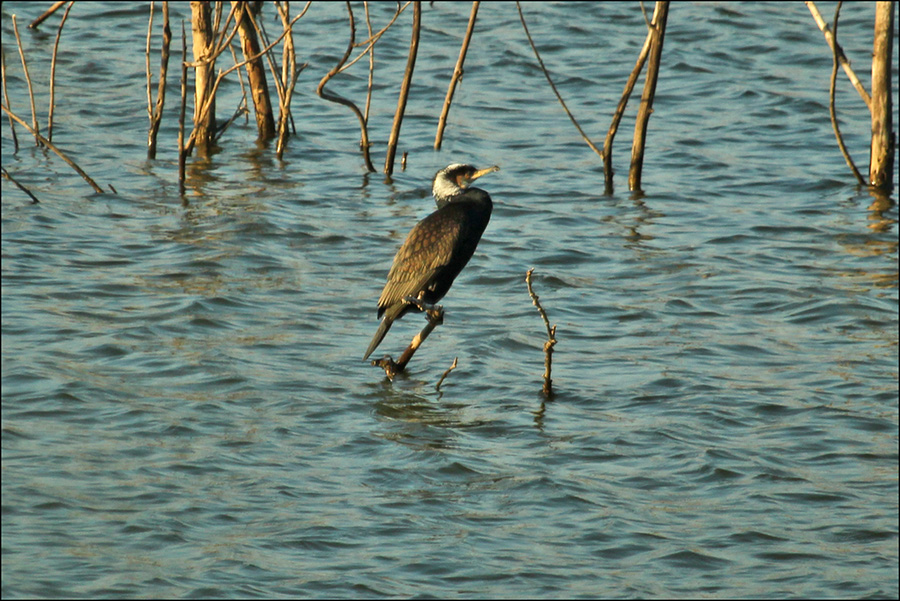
(219, 33)
(829, 37)
(34, 199)
(370, 42)
(551, 336)
(831, 108)
(555, 91)
(288, 81)
(644, 12)
(446, 373)
(219, 45)
(457, 75)
(42, 140)
(243, 102)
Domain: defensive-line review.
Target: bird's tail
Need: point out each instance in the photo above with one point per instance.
(386, 323)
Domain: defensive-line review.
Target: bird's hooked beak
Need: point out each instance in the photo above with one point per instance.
(479, 173)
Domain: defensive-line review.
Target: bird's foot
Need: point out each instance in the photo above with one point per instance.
(417, 301)
(435, 313)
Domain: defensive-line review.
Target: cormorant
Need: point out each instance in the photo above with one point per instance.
(437, 248)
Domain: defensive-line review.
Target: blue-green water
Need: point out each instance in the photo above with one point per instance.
(185, 411)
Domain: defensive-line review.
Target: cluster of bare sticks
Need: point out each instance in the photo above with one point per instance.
(35, 129)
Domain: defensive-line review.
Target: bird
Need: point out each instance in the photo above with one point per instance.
(437, 248)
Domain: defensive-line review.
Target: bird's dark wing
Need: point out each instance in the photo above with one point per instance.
(428, 249)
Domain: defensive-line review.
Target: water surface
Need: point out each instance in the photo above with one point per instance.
(185, 410)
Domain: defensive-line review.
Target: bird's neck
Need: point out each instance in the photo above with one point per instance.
(467, 195)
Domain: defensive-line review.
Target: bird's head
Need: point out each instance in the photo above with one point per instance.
(453, 179)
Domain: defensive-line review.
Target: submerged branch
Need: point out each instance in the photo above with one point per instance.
(35, 201)
(50, 145)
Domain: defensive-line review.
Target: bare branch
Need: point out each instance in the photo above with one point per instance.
(446, 373)
(658, 32)
(394, 138)
(620, 111)
(551, 336)
(457, 75)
